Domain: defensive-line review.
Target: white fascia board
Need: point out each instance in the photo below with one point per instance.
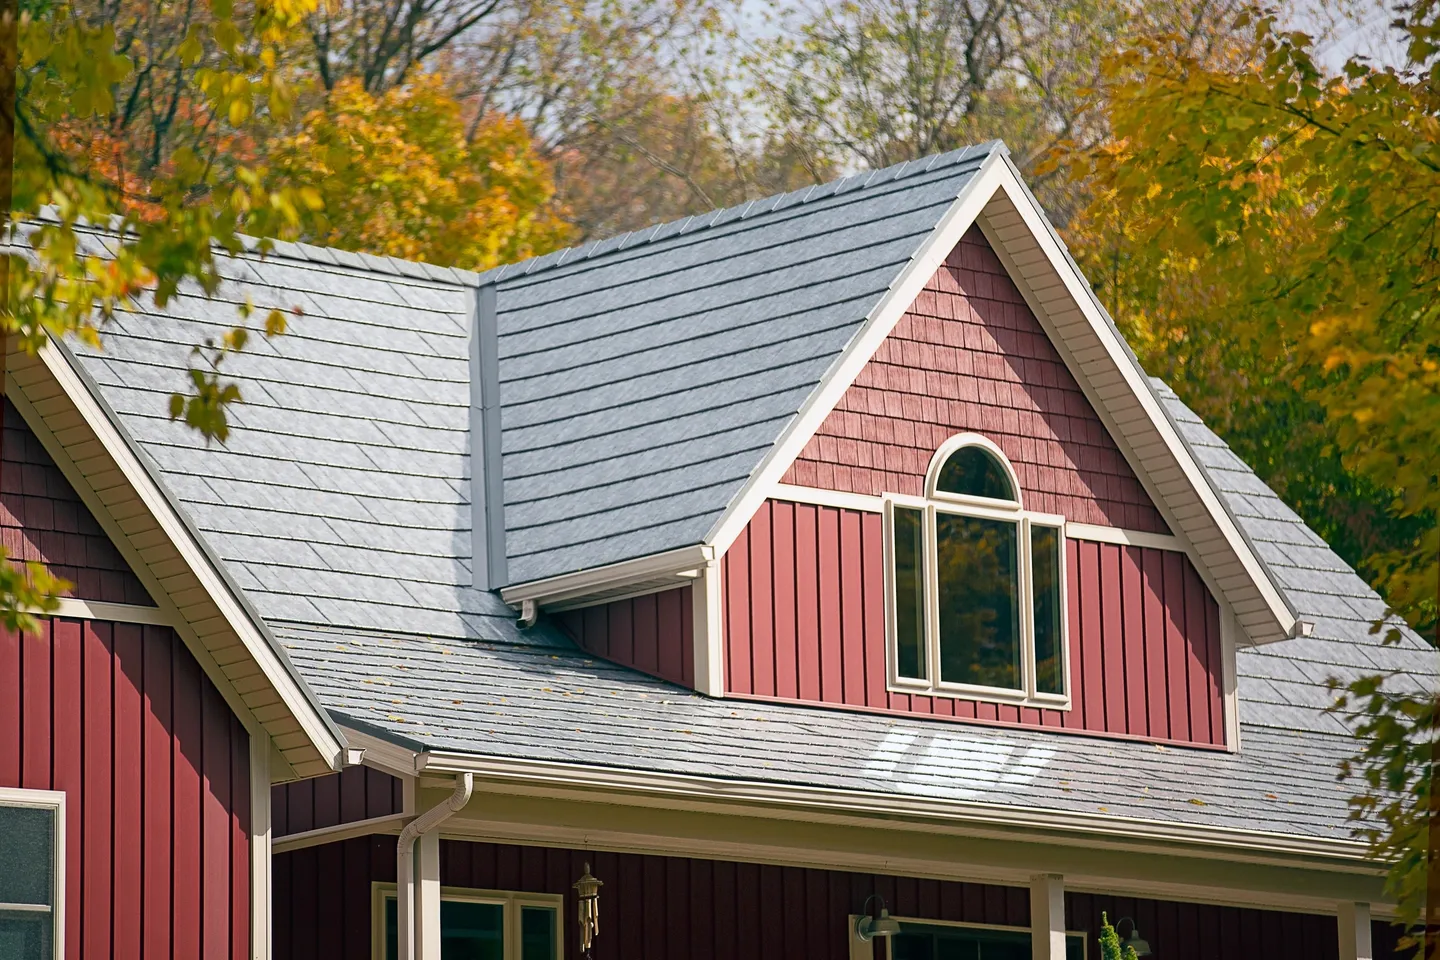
(759, 798)
(1138, 385)
(882, 318)
(297, 699)
(567, 586)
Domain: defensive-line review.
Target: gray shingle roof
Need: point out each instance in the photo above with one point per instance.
(342, 495)
(560, 704)
(341, 506)
(642, 387)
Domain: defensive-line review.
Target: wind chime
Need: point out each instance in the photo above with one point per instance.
(588, 890)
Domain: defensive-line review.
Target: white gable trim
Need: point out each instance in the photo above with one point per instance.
(998, 200)
(252, 674)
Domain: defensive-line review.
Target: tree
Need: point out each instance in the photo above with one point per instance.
(398, 174)
(875, 82)
(1266, 226)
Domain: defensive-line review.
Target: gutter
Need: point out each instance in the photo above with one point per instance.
(1074, 828)
(405, 899)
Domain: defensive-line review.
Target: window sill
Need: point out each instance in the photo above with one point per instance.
(955, 691)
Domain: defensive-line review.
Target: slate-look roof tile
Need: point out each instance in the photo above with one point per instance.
(642, 382)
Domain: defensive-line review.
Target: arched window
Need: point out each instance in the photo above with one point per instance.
(977, 583)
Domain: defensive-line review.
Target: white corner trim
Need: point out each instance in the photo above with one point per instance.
(308, 714)
(1123, 537)
(842, 373)
(615, 576)
(708, 631)
(1079, 293)
(77, 609)
(791, 493)
(261, 849)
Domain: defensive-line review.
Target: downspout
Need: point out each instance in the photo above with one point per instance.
(405, 859)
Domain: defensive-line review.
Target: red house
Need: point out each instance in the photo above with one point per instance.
(824, 575)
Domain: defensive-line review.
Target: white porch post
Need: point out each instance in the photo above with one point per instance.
(1355, 932)
(427, 896)
(1047, 917)
(260, 855)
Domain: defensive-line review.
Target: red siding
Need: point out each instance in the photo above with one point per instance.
(358, 793)
(970, 356)
(155, 769)
(662, 908)
(654, 633)
(42, 518)
(1144, 631)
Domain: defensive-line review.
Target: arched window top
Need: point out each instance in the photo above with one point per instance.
(970, 467)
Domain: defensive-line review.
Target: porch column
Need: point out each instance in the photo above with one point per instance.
(427, 896)
(1047, 917)
(1355, 932)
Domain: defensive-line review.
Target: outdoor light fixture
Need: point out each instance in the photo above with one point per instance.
(868, 928)
(587, 888)
(1134, 941)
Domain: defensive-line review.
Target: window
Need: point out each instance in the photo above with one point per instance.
(483, 925)
(944, 941)
(977, 584)
(32, 857)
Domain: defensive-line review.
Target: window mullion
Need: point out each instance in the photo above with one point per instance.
(1028, 668)
(930, 563)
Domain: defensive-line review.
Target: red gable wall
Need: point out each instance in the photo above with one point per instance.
(970, 356)
(42, 518)
(804, 586)
(120, 717)
(654, 633)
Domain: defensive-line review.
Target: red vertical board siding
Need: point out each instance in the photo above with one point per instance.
(968, 355)
(1144, 641)
(852, 610)
(784, 573)
(661, 908)
(110, 714)
(807, 598)
(11, 730)
(654, 633)
(129, 788)
(762, 620)
(360, 793)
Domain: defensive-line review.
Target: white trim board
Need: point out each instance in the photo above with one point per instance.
(78, 609)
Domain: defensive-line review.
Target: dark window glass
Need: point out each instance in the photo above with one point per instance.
(537, 933)
(27, 852)
(977, 568)
(468, 931)
(918, 941)
(909, 594)
(25, 935)
(1045, 576)
(472, 931)
(975, 472)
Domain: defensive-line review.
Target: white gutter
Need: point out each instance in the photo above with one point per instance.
(405, 859)
(981, 819)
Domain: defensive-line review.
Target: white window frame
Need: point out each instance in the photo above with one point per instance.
(54, 801)
(936, 502)
(511, 900)
(861, 950)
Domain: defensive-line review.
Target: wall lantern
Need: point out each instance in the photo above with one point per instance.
(587, 888)
(868, 928)
(1135, 942)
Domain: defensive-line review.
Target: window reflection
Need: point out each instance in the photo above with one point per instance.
(979, 592)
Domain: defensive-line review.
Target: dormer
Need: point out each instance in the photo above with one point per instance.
(875, 447)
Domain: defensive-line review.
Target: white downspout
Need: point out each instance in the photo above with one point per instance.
(405, 860)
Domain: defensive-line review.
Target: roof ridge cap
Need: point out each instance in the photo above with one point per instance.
(745, 209)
